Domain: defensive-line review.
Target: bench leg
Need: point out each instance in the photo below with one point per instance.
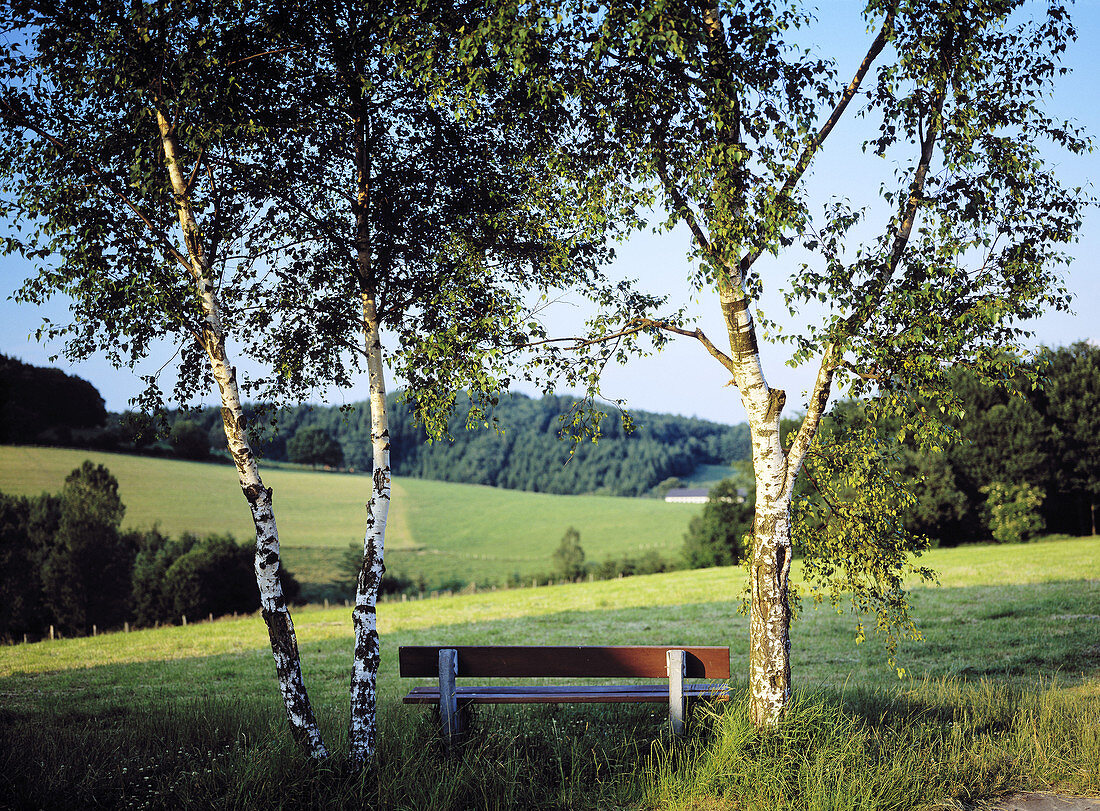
(676, 660)
(448, 702)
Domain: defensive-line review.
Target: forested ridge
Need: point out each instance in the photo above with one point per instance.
(527, 452)
(518, 446)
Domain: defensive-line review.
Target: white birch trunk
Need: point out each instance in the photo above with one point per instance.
(276, 613)
(770, 566)
(363, 729)
(769, 611)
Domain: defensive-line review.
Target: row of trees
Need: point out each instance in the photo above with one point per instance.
(1024, 459)
(339, 169)
(65, 562)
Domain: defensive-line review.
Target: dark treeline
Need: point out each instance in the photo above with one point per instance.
(65, 562)
(45, 405)
(48, 407)
(527, 455)
(1029, 458)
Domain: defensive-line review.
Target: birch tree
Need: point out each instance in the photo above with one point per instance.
(116, 122)
(413, 199)
(716, 111)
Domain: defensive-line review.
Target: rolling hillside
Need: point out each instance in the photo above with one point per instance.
(437, 529)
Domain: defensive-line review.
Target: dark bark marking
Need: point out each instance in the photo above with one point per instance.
(777, 398)
(285, 646)
(380, 476)
(822, 399)
(739, 306)
(742, 341)
(254, 492)
(758, 593)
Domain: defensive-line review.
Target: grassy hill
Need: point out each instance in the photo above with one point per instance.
(439, 529)
(1004, 693)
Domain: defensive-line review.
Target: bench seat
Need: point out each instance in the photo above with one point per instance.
(568, 694)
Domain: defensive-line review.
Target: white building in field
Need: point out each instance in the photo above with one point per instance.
(687, 495)
(697, 495)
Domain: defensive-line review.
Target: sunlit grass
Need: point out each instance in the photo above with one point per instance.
(440, 529)
(1044, 592)
(1004, 694)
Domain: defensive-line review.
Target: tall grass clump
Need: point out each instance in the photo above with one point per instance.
(235, 755)
(933, 744)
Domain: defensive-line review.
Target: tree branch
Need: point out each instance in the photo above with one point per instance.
(815, 410)
(908, 217)
(830, 358)
(636, 325)
(264, 53)
(194, 172)
(680, 205)
(160, 239)
(814, 146)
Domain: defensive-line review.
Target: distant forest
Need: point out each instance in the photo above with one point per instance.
(527, 453)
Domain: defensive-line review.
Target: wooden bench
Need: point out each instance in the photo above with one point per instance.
(446, 664)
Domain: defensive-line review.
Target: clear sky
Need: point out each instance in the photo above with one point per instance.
(684, 379)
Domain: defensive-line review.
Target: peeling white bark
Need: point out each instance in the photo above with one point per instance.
(363, 729)
(276, 613)
(769, 611)
(769, 578)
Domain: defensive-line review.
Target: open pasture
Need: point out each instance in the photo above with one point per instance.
(1003, 693)
(440, 529)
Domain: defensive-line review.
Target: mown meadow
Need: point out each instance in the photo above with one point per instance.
(1003, 694)
(437, 529)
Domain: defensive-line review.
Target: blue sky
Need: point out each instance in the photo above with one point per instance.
(684, 379)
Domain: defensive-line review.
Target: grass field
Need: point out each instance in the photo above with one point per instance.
(439, 529)
(707, 475)
(1004, 693)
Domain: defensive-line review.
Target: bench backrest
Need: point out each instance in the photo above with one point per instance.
(707, 662)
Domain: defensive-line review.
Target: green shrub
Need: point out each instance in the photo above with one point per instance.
(1012, 511)
(314, 446)
(189, 440)
(194, 577)
(87, 566)
(22, 607)
(213, 577)
(156, 553)
(568, 558)
(716, 537)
